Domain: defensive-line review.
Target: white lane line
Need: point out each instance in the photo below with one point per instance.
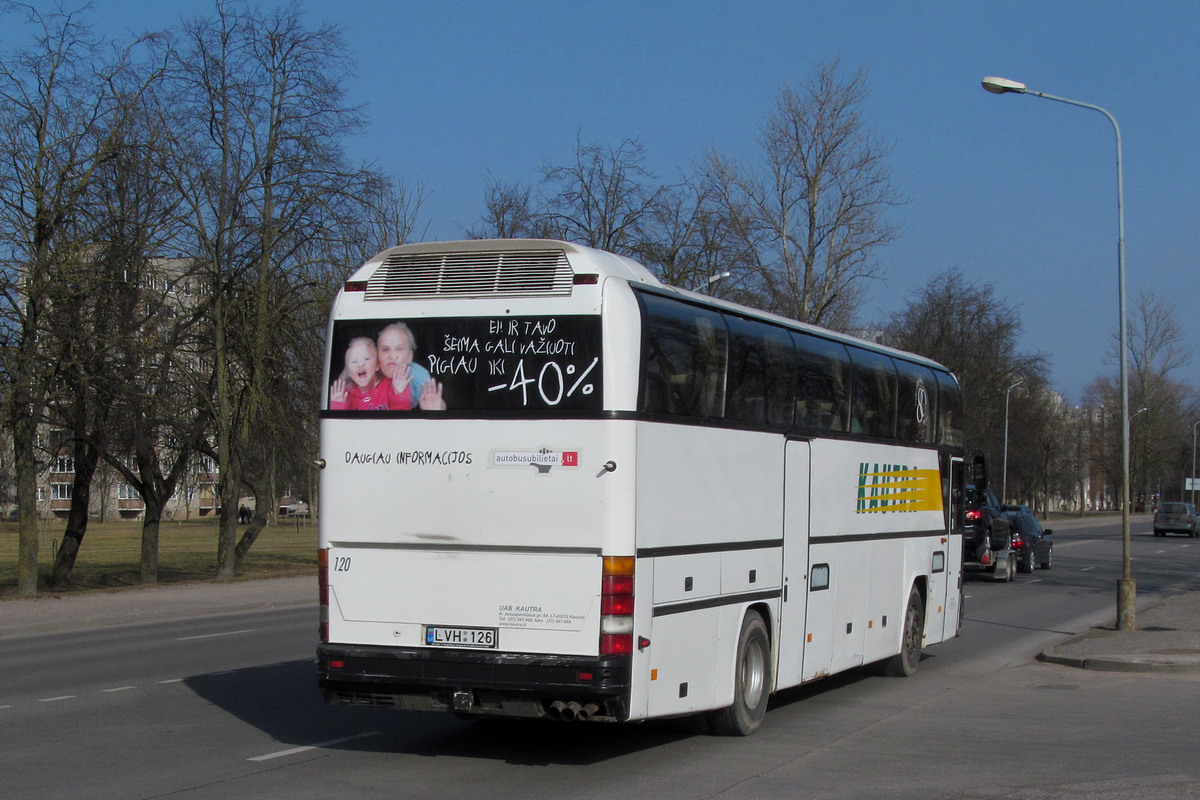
(174, 680)
(119, 689)
(56, 699)
(306, 748)
(213, 635)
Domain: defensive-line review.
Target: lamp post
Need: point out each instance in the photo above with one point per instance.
(719, 276)
(1004, 479)
(1126, 586)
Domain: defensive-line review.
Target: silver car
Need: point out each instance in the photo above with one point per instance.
(1175, 518)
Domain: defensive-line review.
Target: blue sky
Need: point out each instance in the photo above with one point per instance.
(1015, 191)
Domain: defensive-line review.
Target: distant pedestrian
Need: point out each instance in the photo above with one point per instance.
(244, 515)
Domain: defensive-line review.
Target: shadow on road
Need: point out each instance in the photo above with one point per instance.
(282, 700)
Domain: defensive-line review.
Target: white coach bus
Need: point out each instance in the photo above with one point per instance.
(555, 487)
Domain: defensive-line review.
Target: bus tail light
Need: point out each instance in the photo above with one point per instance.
(616, 606)
(323, 591)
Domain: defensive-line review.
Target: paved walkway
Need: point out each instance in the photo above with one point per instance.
(50, 613)
(1167, 638)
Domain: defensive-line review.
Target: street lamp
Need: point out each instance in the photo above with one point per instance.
(719, 276)
(1004, 481)
(1126, 587)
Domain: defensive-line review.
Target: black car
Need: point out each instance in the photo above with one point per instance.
(1175, 518)
(1031, 542)
(986, 542)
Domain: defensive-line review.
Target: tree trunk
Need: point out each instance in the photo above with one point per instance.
(262, 502)
(150, 527)
(86, 459)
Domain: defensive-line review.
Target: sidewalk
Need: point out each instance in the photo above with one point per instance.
(1167, 639)
(51, 613)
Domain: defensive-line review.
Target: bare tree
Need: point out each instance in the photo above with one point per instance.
(394, 215)
(600, 199)
(813, 212)
(966, 327)
(59, 112)
(510, 213)
(685, 237)
(268, 185)
(1158, 462)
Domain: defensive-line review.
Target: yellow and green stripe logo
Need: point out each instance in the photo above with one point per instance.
(886, 488)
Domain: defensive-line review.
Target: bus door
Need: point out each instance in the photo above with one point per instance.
(954, 553)
(793, 611)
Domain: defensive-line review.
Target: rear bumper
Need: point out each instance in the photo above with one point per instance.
(475, 682)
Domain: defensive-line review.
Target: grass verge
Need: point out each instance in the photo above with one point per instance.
(187, 551)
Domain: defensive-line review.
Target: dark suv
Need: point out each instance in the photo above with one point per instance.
(987, 538)
(1175, 518)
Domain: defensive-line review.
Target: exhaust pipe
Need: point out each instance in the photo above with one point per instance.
(555, 710)
(571, 712)
(587, 712)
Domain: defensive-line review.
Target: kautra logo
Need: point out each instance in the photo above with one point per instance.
(886, 488)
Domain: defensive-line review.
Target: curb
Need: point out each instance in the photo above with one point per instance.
(1110, 663)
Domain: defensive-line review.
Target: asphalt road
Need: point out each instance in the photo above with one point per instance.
(225, 705)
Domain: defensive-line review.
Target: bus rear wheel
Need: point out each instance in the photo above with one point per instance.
(752, 682)
(905, 662)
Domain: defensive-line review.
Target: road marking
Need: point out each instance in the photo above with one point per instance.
(174, 680)
(306, 748)
(120, 689)
(56, 699)
(213, 635)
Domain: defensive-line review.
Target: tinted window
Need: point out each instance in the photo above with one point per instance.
(873, 404)
(685, 359)
(949, 411)
(760, 373)
(1027, 524)
(916, 403)
(822, 384)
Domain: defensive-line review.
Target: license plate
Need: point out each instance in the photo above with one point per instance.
(454, 636)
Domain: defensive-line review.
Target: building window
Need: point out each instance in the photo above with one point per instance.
(64, 464)
(60, 491)
(127, 491)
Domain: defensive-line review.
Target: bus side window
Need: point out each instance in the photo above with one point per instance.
(708, 365)
(822, 384)
(916, 418)
(950, 412)
(760, 373)
(874, 400)
(684, 370)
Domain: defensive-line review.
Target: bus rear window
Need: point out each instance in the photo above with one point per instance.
(545, 363)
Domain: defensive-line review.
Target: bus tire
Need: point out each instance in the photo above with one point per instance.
(751, 682)
(905, 662)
